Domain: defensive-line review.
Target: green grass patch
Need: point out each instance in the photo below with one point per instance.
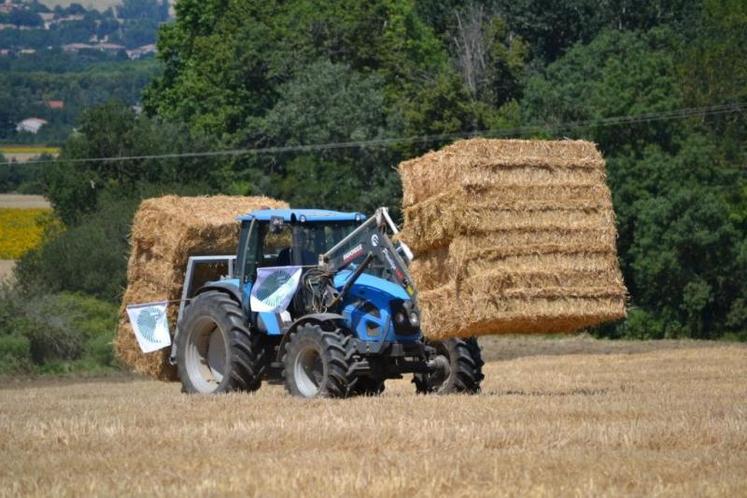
(56, 334)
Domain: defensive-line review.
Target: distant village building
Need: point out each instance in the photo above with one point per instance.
(139, 52)
(56, 104)
(75, 17)
(104, 47)
(48, 18)
(31, 125)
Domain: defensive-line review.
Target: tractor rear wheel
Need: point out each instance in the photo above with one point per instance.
(316, 363)
(216, 351)
(459, 369)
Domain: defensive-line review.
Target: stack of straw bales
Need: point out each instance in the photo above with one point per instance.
(166, 231)
(512, 236)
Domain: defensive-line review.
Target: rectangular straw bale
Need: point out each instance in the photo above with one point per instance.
(459, 262)
(488, 304)
(165, 232)
(512, 236)
(500, 162)
(462, 211)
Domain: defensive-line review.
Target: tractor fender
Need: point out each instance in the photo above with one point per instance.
(317, 318)
(225, 287)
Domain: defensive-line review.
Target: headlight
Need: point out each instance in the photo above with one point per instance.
(405, 317)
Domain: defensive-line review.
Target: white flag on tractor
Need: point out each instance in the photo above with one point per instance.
(274, 288)
(150, 325)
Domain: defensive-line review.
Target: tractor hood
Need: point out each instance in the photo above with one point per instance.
(377, 309)
(373, 283)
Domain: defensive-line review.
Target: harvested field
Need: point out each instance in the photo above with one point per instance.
(6, 268)
(166, 231)
(512, 236)
(613, 418)
(19, 201)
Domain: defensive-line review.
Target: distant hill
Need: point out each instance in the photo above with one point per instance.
(100, 5)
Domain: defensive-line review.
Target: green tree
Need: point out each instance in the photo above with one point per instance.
(714, 71)
(551, 28)
(113, 130)
(617, 74)
(328, 103)
(677, 187)
(224, 60)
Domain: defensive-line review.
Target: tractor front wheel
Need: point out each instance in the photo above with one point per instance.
(316, 363)
(457, 368)
(216, 352)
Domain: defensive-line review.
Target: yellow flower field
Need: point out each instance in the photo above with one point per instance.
(20, 230)
(29, 149)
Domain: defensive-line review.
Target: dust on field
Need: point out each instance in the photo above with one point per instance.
(661, 422)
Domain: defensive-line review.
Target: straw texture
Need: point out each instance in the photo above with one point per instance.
(166, 231)
(512, 236)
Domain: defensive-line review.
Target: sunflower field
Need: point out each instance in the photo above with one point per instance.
(21, 230)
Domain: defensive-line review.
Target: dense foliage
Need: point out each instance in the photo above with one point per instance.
(24, 94)
(55, 333)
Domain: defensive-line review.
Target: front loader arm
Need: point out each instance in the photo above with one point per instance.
(371, 238)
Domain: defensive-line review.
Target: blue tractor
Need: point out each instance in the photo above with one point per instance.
(350, 322)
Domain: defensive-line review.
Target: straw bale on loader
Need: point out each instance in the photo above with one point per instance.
(166, 231)
(512, 236)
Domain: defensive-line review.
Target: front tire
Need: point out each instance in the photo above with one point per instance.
(461, 368)
(216, 351)
(316, 363)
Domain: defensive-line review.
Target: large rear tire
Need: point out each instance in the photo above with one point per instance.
(461, 370)
(216, 351)
(316, 363)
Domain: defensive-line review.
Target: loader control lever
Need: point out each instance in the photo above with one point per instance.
(351, 280)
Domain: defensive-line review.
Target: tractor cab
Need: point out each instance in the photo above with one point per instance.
(347, 266)
(289, 237)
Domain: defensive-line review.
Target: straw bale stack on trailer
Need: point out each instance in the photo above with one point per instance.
(512, 236)
(166, 231)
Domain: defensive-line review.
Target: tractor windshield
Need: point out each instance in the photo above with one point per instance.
(316, 238)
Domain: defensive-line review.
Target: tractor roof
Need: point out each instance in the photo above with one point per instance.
(310, 215)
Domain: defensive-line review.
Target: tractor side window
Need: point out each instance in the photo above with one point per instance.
(250, 253)
(276, 247)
